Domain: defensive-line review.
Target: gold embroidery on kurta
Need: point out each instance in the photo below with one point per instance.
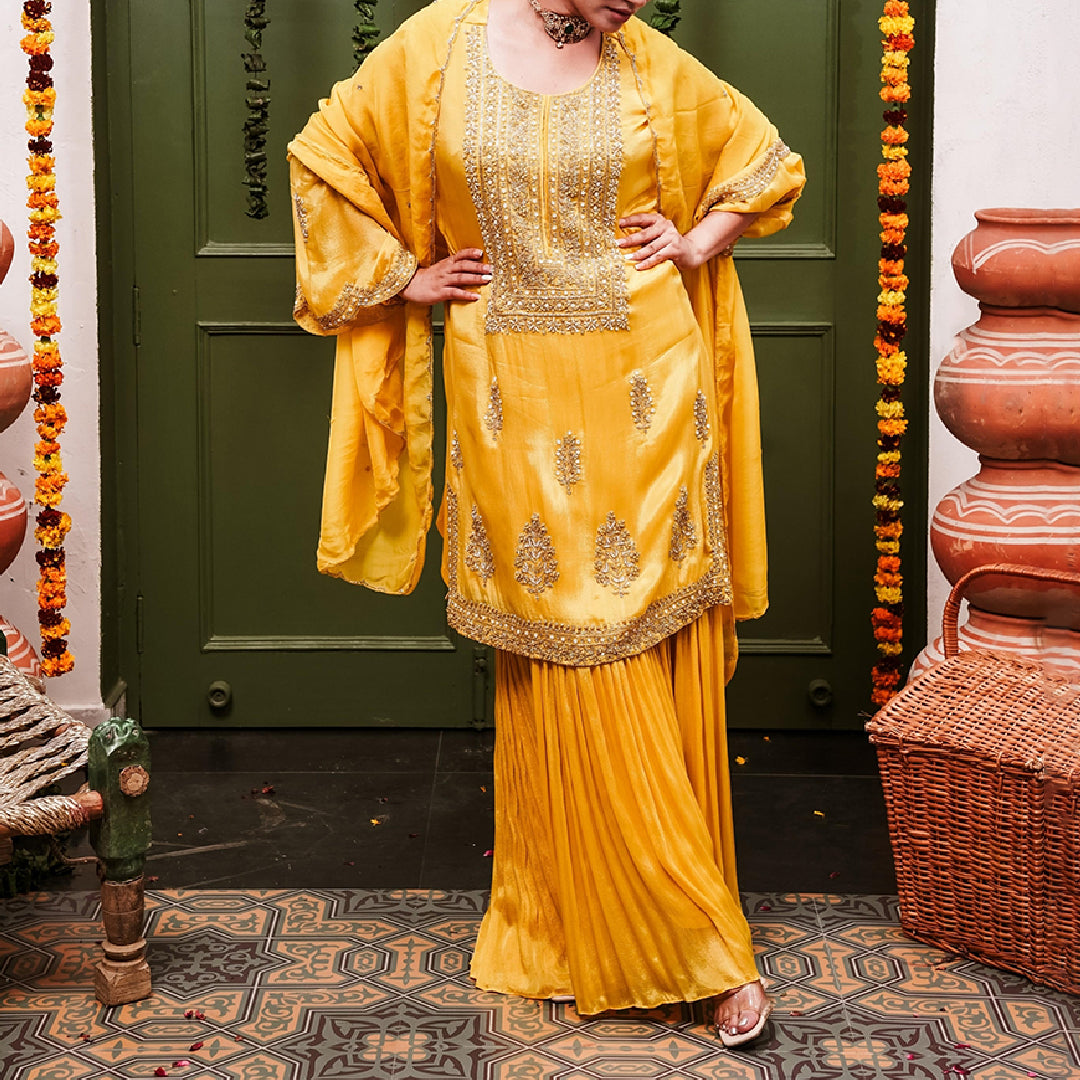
(568, 461)
(701, 416)
(455, 452)
(580, 645)
(536, 565)
(543, 172)
(301, 216)
(683, 534)
(478, 554)
(451, 539)
(751, 184)
(642, 406)
(617, 556)
(493, 418)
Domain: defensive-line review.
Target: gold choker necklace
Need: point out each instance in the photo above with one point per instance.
(562, 29)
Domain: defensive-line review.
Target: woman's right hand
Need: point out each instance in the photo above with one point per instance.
(449, 279)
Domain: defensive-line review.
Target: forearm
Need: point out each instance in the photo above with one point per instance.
(716, 234)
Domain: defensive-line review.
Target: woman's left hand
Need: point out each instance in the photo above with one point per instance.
(657, 241)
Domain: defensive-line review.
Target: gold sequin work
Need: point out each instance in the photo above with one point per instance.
(642, 405)
(455, 452)
(683, 534)
(535, 564)
(354, 297)
(751, 184)
(616, 556)
(568, 461)
(493, 418)
(478, 555)
(701, 416)
(301, 217)
(543, 172)
(452, 549)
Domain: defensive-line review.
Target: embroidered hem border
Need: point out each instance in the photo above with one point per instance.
(582, 646)
(353, 297)
(751, 184)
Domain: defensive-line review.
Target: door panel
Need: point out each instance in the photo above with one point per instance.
(232, 399)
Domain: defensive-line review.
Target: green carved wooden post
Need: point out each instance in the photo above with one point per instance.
(118, 768)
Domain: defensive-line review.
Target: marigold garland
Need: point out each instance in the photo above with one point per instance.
(894, 182)
(49, 416)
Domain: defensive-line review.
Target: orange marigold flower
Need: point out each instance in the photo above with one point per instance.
(40, 199)
(888, 470)
(893, 187)
(885, 348)
(894, 170)
(54, 413)
(41, 164)
(890, 266)
(900, 93)
(891, 426)
(61, 665)
(39, 128)
(892, 236)
(894, 221)
(892, 565)
(37, 44)
(894, 530)
(47, 326)
(895, 136)
(896, 9)
(61, 629)
(891, 313)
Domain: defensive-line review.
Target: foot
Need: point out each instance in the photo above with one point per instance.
(741, 1013)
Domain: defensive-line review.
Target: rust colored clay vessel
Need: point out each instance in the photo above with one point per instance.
(21, 653)
(16, 379)
(1024, 512)
(1057, 649)
(1010, 388)
(1022, 258)
(7, 250)
(13, 516)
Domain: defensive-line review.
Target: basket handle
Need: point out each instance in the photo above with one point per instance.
(950, 631)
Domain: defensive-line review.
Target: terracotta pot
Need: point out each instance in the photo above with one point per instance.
(1024, 512)
(16, 379)
(12, 521)
(1057, 649)
(21, 653)
(1022, 258)
(7, 250)
(1010, 388)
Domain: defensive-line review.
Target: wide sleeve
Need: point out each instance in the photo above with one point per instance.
(753, 171)
(347, 264)
(357, 246)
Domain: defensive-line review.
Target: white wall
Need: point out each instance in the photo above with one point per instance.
(1006, 103)
(80, 689)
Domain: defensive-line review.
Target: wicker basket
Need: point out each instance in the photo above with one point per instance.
(980, 761)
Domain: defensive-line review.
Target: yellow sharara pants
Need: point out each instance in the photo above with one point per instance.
(614, 871)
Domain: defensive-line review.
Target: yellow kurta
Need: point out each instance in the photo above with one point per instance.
(602, 513)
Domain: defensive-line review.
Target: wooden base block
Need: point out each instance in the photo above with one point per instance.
(121, 983)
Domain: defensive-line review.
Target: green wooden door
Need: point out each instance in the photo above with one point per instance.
(223, 403)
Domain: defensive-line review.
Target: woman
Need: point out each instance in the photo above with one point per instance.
(569, 184)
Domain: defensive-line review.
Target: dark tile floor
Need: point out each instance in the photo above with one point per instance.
(413, 809)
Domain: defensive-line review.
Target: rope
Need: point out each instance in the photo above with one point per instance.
(43, 817)
(39, 743)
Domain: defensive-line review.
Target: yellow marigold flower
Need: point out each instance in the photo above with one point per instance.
(895, 26)
(891, 410)
(888, 547)
(889, 455)
(43, 266)
(894, 153)
(42, 99)
(41, 163)
(889, 595)
(43, 307)
(896, 58)
(888, 648)
(894, 530)
(41, 183)
(888, 297)
(49, 213)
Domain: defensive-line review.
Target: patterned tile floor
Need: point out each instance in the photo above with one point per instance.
(350, 985)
